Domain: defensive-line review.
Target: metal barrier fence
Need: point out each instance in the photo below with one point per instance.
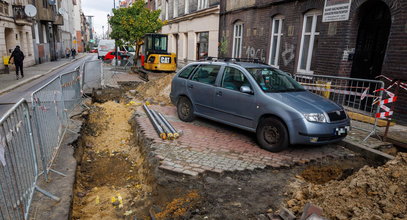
(18, 163)
(71, 89)
(355, 95)
(50, 120)
(92, 76)
(20, 153)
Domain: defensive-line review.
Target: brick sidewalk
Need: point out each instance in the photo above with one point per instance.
(207, 146)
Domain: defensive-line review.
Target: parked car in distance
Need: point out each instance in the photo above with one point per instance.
(112, 54)
(260, 99)
(94, 50)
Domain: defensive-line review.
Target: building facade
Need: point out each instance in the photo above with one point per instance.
(359, 39)
(15, 29)
(192, 26)
(47, 44)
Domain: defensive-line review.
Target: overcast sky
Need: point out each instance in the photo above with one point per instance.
(99, 9)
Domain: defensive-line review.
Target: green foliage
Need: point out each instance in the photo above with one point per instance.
(129, 25)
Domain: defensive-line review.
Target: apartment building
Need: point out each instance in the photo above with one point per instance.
(359, 38)
(15, 29)
(192, 26)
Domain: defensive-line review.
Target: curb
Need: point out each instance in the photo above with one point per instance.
(366, 151)
(37, 76)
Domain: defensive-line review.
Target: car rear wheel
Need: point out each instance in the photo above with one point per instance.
(185, 109)
(272, 135)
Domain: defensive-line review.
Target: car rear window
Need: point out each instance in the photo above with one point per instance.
(206, 74)
(187, 71)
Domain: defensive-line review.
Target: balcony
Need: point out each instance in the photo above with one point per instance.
(20, 18)
(59, 20)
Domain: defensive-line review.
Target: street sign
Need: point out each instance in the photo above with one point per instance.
(336, 10)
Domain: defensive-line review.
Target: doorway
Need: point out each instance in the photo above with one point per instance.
(373, 33)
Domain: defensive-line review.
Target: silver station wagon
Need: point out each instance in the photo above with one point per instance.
(257, 98)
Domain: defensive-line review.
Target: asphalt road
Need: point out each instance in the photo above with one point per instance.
(8, 99)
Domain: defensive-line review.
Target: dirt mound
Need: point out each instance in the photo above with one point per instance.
(370, 193)
(157, 89)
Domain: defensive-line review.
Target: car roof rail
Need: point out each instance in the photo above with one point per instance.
(234, 60)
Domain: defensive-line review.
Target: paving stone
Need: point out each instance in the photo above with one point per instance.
(218, 148)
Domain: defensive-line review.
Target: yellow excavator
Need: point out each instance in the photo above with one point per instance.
(155, 56)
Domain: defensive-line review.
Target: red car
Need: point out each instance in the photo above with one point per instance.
(111, 55)
(94, 51)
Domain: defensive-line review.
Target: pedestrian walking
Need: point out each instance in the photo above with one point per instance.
(18, 57)
(67, 52)
(73, 53)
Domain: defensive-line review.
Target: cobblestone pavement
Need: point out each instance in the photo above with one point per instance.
(208, 146)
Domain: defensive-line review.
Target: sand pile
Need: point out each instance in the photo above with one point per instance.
(157, 90)
(370, 193)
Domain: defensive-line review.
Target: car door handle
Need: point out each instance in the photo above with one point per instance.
(191, 86)
(219, 93)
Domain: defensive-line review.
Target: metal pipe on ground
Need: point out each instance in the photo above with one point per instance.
(170, 135)
(173, 130)
(156, 126)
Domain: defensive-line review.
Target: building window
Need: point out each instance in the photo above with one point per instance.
(3, 8)
(237, 40)
(186, 6)
(310, 33)
(202, 4)
(175, 8)
(202, 45)
(276, 34)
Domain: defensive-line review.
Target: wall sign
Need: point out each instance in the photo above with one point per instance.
(336, 10)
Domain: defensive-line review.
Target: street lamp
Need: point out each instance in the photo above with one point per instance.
(108, 25)
(103, 32)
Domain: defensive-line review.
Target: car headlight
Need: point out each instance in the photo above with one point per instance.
(315, 117)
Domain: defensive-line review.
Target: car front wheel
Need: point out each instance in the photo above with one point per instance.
(272, 135)
(185, 109)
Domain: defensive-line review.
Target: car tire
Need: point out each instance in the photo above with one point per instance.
(272, 135)
(185, 109)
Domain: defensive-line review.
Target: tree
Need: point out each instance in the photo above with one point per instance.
(129, 25)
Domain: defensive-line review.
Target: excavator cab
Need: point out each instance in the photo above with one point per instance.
(155, 56)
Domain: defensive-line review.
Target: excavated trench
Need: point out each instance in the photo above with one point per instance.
(117, 176)
(114, 177)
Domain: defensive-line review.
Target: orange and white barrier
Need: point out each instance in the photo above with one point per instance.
(382, 103)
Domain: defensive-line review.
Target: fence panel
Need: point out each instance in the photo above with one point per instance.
(92, 75)
(355, 95)
(50, 120)
(18, 163)
(71, 89)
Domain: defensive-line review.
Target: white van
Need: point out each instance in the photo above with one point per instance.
(104, 47)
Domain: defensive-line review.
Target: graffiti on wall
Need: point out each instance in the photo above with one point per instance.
(288, 53)
(252, 53)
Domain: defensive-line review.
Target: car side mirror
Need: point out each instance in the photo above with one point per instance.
(246, 89)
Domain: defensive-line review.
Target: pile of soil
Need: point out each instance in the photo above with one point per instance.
(157, 90)
(370, 193)
(111, 181)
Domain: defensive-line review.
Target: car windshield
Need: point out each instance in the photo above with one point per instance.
(273, 80)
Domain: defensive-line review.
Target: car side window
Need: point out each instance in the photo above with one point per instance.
(187, 72)
(206, 74)
(234, 79)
